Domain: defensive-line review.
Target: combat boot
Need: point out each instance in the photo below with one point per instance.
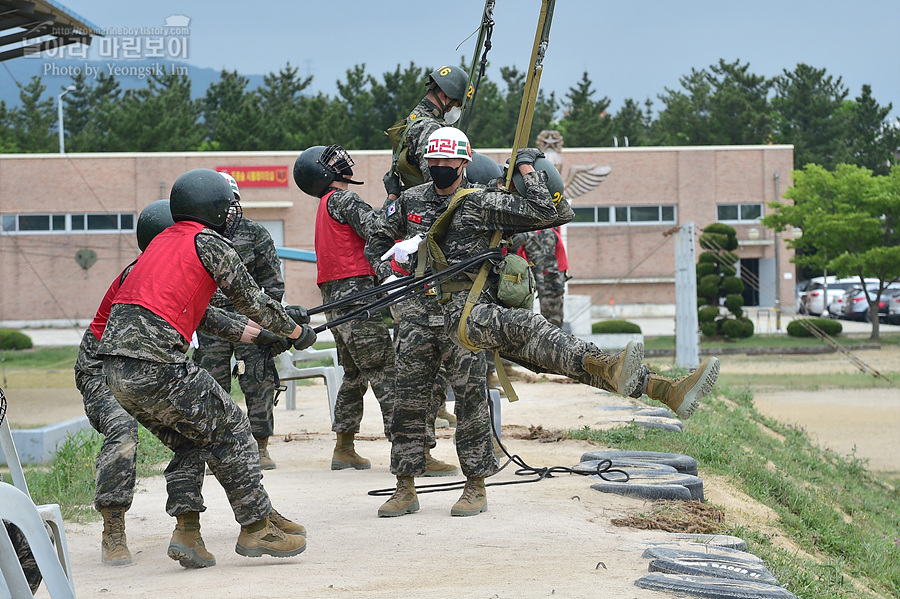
(113, 548)
(683, 395)
(473, 500)
(186, 546)
(621, 371)
(435, 467)
(345, 455)
(448, 416)
(403, 501)
(286, 526)
(265, 460)
(264, 538)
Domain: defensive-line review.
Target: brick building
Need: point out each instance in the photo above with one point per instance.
(68, 220)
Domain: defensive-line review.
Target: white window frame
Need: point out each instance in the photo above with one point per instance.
(740, 206)
(611, 212)
(67, 229)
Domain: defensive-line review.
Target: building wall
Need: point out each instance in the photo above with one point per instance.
(40, 280)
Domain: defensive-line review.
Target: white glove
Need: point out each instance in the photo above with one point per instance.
(391, 279)
(195, 343)
(402, 249)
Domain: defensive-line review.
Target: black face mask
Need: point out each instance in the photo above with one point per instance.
(443, 176)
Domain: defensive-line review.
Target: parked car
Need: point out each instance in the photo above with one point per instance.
(888, 297)
(893, 309)
(856, 306)
(814, 301)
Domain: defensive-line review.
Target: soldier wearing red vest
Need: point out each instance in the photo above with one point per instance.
(144, 350)
(546, 251)
(343, 223)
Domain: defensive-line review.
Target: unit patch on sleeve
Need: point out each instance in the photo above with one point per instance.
(414, 218)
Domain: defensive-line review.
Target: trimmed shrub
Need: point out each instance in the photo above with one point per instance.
(10, 339)
(615, 327)
(709, 329)
(734, 302)
(732, 285)
(734, 328)
(708, 313)
(831, 327)
(705, 268)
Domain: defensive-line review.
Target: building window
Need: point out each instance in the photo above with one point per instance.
(739, 213)
(623, 215)
(27, 224)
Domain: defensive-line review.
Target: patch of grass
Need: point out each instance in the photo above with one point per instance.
(779, 340)
(829, 505)
(70, 479)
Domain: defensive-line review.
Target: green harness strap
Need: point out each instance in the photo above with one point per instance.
(409, 174)
(432, 245)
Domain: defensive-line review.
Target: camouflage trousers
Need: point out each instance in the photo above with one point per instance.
(525, 338)
(192, 415)
(257, 382)
(421, 350)
(365, 352)
(23, 553)
(117, 459)
(552, 308)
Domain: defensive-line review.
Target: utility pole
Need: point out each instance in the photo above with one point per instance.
(59, 116)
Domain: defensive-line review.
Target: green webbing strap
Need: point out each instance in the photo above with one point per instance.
(474, 294)
(504, 378)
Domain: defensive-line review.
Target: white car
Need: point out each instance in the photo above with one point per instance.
(813, 302)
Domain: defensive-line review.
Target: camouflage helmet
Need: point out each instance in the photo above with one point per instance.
(202, 195)
(310, 175)
(482, 169)
(453, 81)
(153, 220)
(554, 179)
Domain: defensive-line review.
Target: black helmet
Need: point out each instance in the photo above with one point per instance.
(316, 168)
(154, 218)
(453, 81)
(204, 196)
(482, 169)
(554, 179)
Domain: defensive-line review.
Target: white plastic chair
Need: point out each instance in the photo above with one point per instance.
(17, 508)
(289, 373)
(49, 513)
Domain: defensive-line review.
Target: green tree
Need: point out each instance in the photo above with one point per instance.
(718, 284)
(366, 127)
(850, 221)
(231, 115)
(279, 99)
(872, 139)
(7, 130)
(496, 112)
(808, 114)
(586, 123)
(34, 121)
(739, 111)
(395, 96)
(161, 117)
(632, 124)
(88, 109)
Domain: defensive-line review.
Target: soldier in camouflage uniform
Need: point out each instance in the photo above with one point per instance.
(422, 347)
(143, 347)
(518, 333)
(540, 248)
(343, 223)
(257, 251)
(447, 88)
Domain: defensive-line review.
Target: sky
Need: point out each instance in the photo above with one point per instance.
(629, 48)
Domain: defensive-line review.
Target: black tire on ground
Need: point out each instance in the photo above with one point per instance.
(646, 492)
(717, 567)
(629, 466)
(680, 550)
(711, 588)
(714, 540)
(683, 463)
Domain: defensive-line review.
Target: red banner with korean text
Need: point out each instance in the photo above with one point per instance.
(257, 176)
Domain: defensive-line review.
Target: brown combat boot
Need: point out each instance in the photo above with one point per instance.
(265, 460)
(186, 546)
(448, 416)
(683, 395)
(435, 467)
(345, 455)
(621, 371)
(285, 525)
(403, 501)
(113, 548)
(473, 500)
(264, 538)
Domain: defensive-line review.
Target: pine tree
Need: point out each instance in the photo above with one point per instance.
(586, 123)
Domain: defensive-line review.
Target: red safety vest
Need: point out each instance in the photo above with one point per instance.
(562, 260)
(98, 325)
(169, 279)
(339, 250)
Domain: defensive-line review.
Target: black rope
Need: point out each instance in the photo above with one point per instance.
(2, 405)
(604, 468)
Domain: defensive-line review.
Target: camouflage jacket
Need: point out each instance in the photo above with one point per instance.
(347, 208)
(481, 214)
(540, 249)
(413, 212)
(426, 119)
(136, 332)
(254, 245)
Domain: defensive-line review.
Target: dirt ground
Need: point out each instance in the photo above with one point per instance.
(551, 538)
